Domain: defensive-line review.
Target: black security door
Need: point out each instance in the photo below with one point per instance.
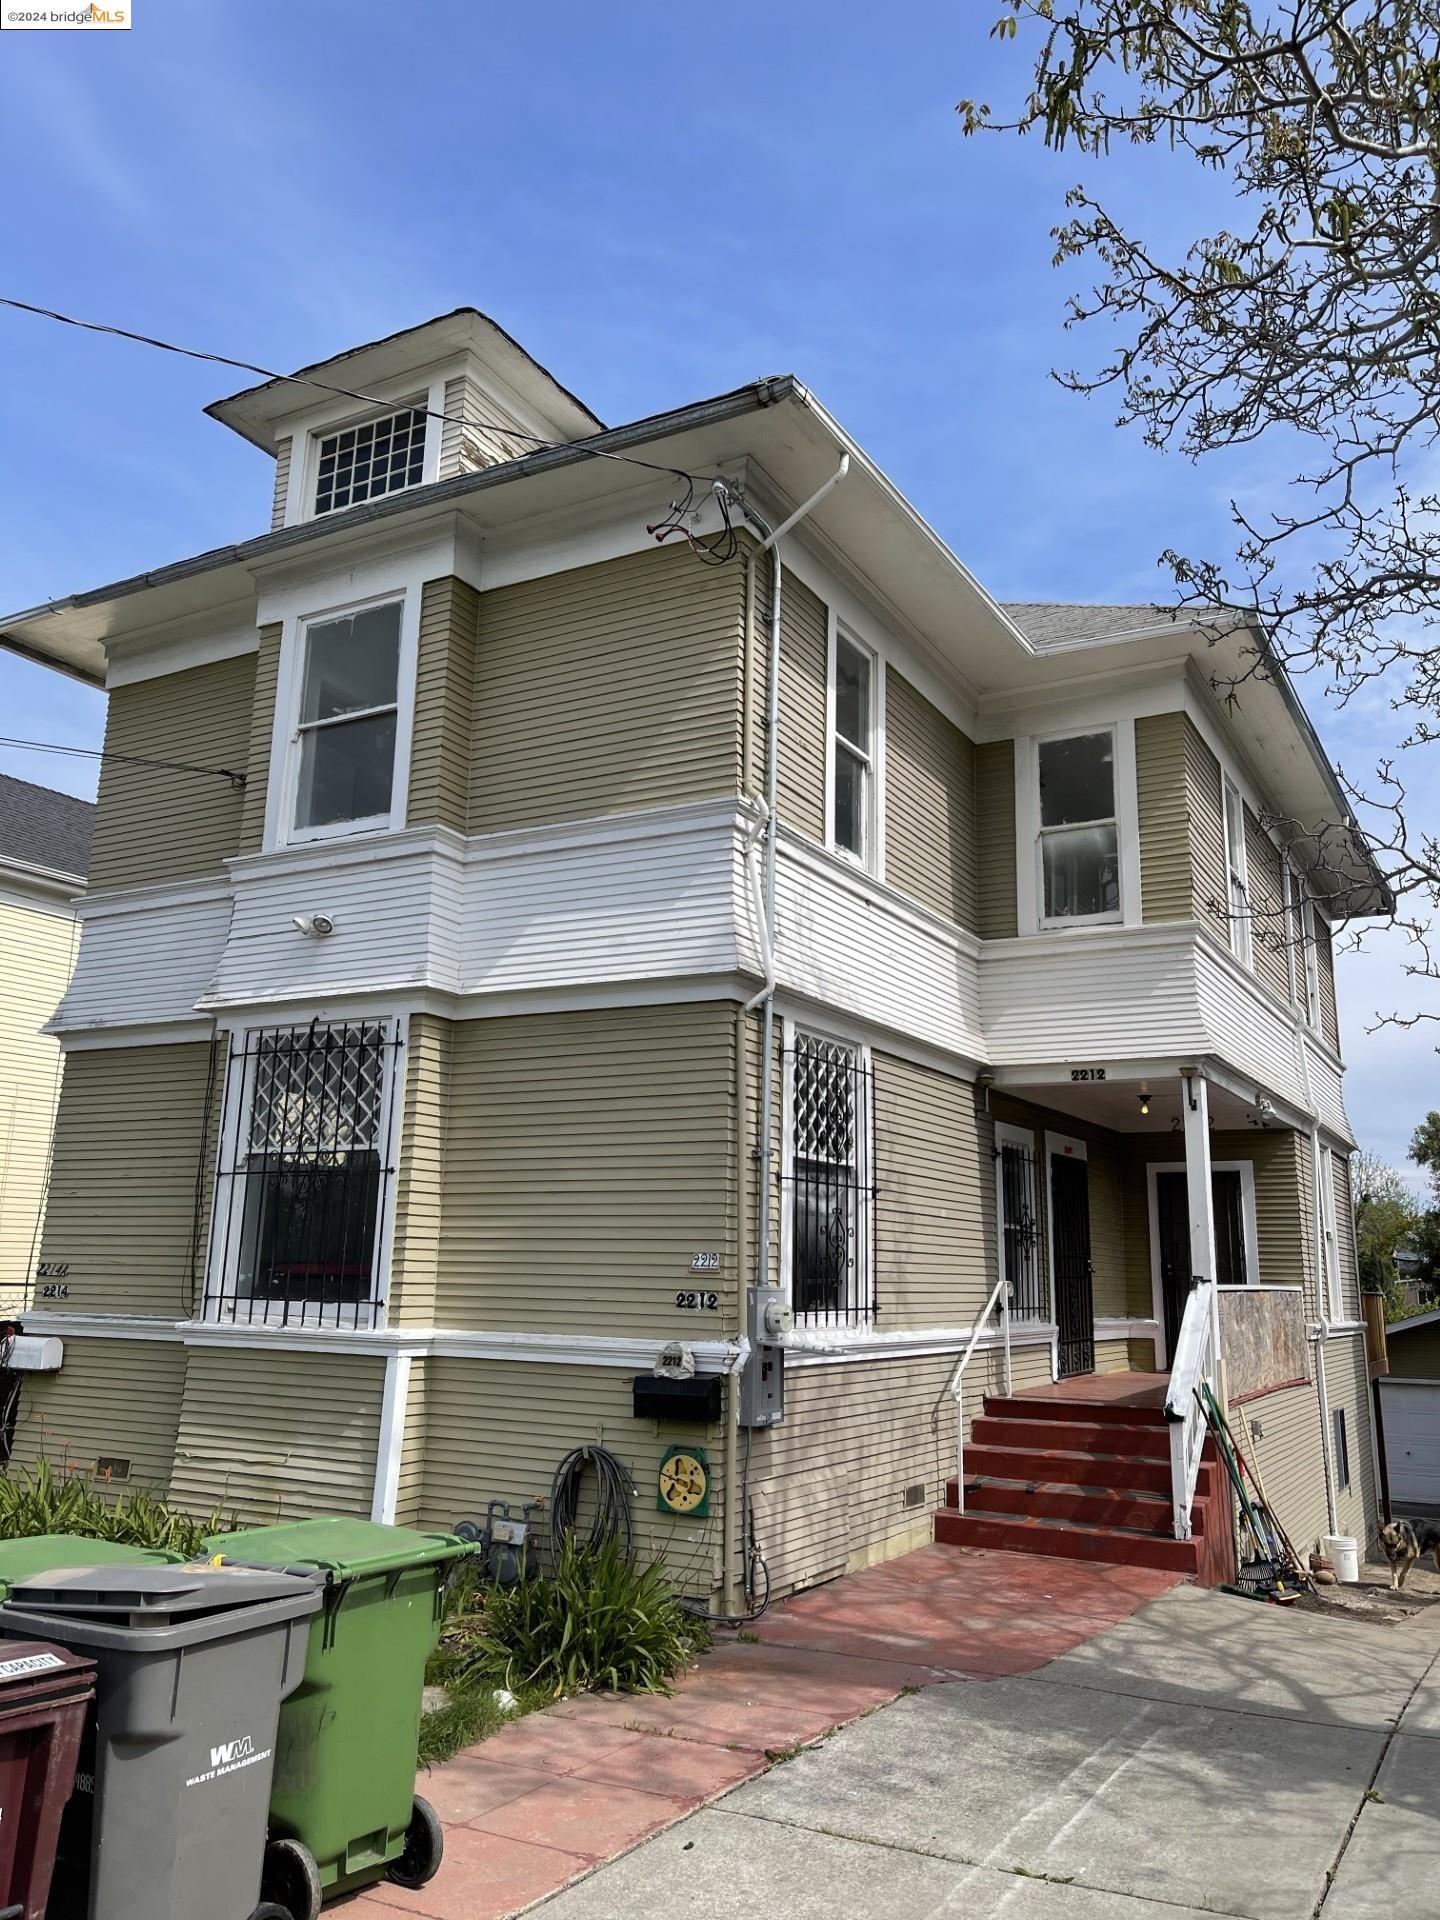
(1172, 1208)
(1074, 1292)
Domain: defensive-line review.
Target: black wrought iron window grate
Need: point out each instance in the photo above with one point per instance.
(304, 1178)
(1020, 1230)
(377, 457)
(828, 1191)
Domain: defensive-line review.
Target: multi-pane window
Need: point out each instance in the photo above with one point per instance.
(854, 749)
(1237, 876)
(1300, 942)
(1079, 839)
(830, 1199)
(303, 1174)
(346, 724)
(1019, 1212)
(374, 458)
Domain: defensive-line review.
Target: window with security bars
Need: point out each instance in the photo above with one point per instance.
(830, 1204)
(304, 1175)
(1019, 1195)
(366, 461)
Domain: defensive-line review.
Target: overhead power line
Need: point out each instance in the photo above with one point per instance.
(235, 778)
(348, 393)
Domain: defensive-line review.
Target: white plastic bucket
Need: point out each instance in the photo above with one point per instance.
(1344, 1554)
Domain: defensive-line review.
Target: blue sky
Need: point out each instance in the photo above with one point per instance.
(659, 210)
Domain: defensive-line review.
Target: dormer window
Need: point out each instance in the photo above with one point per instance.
(371, 459)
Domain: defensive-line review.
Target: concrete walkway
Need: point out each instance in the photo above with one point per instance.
(545, 1802)
(1206, 1755)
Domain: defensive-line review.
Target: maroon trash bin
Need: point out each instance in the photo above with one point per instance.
(45, 1693)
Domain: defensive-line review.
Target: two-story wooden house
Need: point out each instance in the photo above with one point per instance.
(493, 971)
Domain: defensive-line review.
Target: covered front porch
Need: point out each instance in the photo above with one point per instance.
(1116, 1193)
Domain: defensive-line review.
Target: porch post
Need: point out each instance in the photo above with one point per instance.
(1195, 1106)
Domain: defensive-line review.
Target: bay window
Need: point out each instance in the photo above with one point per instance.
(1079, 840)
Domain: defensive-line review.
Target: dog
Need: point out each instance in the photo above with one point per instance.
(1405, 1542)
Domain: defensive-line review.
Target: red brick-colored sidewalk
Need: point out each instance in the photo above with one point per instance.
(562, 1791)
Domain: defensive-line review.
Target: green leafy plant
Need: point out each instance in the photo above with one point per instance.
(598, 1621)
(46, 1499)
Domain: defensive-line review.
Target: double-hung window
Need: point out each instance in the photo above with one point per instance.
(853, 751)
(303, 1175)
(346, 722)
(829, 1227)
(1329, 1238)
(1237, 875)
(370, 459)
(1079, 849)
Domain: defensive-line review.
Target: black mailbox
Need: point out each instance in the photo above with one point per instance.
(697, 1400)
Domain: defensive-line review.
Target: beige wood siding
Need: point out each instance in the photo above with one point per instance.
(419, 1177)
(935, 1205)
(498, 1429)
(1267, 909)
(1325, 961)
(995, 839)
(1165, 864)
(804, 669)
(444, 703)
(37, 952)
(114, 1398)
(410, 1493)
(1203, 793)
(469, 436)
(1347, 1385)
(283, 452)
(262, 721)
(131, 1136)
(1414, 1355)
(930, 848)
(829, 1484)
(588, 1156)
(1288, 1452)
(606, 689)
(278, 1434)
(153, 824)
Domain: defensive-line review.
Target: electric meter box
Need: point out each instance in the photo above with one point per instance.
(762, 1379)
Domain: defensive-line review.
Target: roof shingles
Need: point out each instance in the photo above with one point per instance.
(42, 828)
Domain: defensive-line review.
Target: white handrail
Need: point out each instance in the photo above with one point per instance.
(1000, 1292)
(1193, 1363)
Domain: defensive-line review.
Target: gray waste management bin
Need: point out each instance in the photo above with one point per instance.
(191, 1666)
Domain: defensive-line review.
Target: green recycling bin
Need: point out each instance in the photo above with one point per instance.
(343, 1807)
(43, 1553)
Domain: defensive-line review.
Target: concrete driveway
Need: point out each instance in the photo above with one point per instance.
(1207, 1755)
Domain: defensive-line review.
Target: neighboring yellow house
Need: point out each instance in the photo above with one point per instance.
(44, 853)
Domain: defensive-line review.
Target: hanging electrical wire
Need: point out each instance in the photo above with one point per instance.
(505, 430)
(236, 778)
(716, 552)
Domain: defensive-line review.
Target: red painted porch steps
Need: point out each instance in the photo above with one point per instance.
(1083, 1479)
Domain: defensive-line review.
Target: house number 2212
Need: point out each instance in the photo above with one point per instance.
(1087, 1073)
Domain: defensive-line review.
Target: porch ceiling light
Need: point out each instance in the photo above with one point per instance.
(1144, 1103)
